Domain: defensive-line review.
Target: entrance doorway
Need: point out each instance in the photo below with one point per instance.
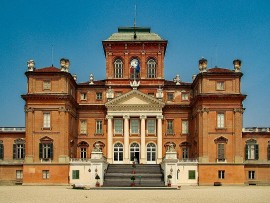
(135, 153)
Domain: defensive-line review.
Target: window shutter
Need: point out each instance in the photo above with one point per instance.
(246, 152)
(256, 151)
(73, 174)
(51, 150)
(14, 151)
(1, 151)
(40, 151)
(269, 152)
(23, 155)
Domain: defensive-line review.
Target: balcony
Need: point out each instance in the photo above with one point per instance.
(10, 129)
(256, 129)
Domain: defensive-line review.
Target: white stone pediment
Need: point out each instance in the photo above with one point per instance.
(134, 99)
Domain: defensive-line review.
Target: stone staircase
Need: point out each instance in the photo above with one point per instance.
(147, 175)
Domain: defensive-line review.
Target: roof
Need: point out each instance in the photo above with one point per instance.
(219, 70)
(128, 34)
(48, 69)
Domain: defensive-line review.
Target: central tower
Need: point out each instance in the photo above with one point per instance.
(134, 53)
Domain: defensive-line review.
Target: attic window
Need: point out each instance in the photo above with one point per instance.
(46, 85)
(220, 85)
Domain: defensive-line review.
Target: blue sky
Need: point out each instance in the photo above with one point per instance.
(220, 31)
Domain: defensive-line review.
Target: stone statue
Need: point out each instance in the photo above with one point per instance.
(237, 65)
(64, 63)
(97, 148)
(31, 65)
(202, 65)
(110, 94)
(91, 79)
(159, 94)
(171, 148)
(177, 79)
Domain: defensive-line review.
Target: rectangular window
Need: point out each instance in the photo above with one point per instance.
(118, 126)
(46, 120)
(252, 151)
(185, 127)
(191, 174)
(83, 153)
(251, 175)
(151, 126)
(185, 153)
(19, 174)
(46, 151)
(83, 129)
(47, 85)
(1, 150)
(134, 126)
(221, 152)
(170, 96)
(83, 96)
(98, 127)
(221, 174)
(220, 120)
(220, 85)
(184, 96)
(99, 95)
(75, 174)
(169, 127)
(46, 174)
(18, 151)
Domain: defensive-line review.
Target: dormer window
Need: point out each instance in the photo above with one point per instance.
(47, 85)
(220, 85)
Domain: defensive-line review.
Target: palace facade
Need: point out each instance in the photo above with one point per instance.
(135, 114)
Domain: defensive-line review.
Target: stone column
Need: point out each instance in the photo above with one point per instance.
(159, 139)
(109, 139)
(143, 153)
(126, 139)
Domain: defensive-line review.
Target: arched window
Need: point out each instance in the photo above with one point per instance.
(118, 68)
(134, 151)
(118, 152)
(83, 149)
(151, 68)
(151, 152)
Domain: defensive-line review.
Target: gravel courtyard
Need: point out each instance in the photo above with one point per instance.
(65, 194)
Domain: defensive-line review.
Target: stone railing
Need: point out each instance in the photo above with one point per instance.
(256, 129)
(11, 129)
(188, 160)
(80, 160)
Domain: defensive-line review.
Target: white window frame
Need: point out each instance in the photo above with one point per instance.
(83, 126)
(118, 126)
(45, 174)
(220, 120)
(220, 85)
(46, 120)
(251, 175)
(185, 153)
(221, 174)
(99, 127)
(83, 152)
(98, 95)
(46, 85)
(151, 153)
(19, 174)
(118, 68)
(169, 127)
(151, 68)
(134, 126)
(184, 96)
(118, 152)
(151, 126)
(83, 96)
(185, 127)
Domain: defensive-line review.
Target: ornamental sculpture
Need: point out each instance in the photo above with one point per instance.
(64, 63)
(31, 65)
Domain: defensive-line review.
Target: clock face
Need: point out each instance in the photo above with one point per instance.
(134, 63)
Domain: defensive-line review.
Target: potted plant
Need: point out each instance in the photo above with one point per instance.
(133, 179)
(169, 180)
(97, 178)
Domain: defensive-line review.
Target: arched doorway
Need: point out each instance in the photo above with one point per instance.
(134, 152)
(151, 153)
(118, 153)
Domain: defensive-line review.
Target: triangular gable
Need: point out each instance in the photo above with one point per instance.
(134, 97)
